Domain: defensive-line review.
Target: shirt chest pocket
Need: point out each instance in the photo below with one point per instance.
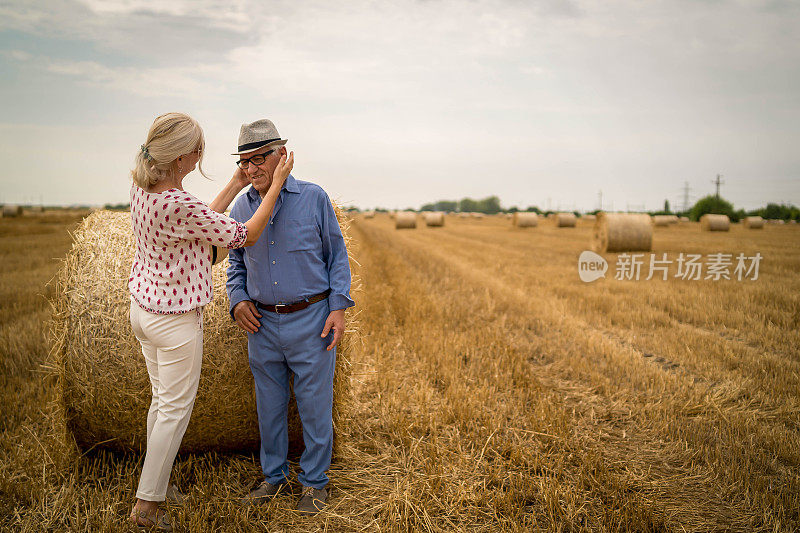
(303, 234)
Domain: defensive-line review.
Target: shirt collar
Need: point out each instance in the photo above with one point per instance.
(290, 185)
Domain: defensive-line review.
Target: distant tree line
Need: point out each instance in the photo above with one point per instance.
(718, 205)
(709, 204)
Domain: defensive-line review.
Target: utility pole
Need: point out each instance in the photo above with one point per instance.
(685, 196)
(718, 182)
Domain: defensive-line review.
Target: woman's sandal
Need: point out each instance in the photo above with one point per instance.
(144, 521)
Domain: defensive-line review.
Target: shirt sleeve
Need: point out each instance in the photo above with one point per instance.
(201, 223)
(334, 252)
(237, 273)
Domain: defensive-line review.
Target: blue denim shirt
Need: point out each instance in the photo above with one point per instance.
(300, 253)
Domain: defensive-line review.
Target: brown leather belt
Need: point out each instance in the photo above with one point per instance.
(297, 306)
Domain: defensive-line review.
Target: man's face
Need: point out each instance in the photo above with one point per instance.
(261, 175)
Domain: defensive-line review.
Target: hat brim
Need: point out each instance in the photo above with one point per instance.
(279, 142)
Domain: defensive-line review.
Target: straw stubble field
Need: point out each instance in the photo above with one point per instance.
(493, 391)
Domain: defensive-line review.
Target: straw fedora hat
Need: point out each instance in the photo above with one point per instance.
(257, 135)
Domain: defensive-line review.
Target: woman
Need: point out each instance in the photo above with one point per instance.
(170, 282)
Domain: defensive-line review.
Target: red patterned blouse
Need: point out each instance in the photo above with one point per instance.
(171, 270)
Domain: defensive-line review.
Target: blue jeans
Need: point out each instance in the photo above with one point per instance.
(287, 343)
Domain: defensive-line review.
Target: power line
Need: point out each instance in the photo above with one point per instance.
(718, 182)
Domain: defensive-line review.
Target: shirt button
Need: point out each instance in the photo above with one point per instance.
(273, 262)
(275, 283)
(272, 242)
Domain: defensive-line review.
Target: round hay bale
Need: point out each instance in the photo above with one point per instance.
(434, 219)
(463, 215)
(565, 220)
(776, 221)
(525, 220)
(589, 218)
(369, 214)
(477, 215)
(12, 210)
(392, 214)
(753, 222)
(103, 382)
(709, 222)
(622, 232)
(405, 220)
(684, 219)
(664, 220)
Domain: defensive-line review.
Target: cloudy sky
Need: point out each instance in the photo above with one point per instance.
(400, 103)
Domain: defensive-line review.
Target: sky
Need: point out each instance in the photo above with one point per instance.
(557, 104)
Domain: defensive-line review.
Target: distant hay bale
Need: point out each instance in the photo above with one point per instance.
(477, 215)
(622, 232)
(525, 220)
(589, 218)
(369, 214)
(565, 220)
(710, 222)
(405, 220)
(777, 221)
(684, 219)
(463, 215)
(12, 210)
(753, 222)
(664, 220)
(102, 378)
(392, 214)
(434, 219)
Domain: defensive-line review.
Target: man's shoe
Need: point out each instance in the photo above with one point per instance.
(312, 501)
(264, 492)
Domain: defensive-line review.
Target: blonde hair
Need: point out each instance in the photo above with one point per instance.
(171, 136)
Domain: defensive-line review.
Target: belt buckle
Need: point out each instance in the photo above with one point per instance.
(278, 307)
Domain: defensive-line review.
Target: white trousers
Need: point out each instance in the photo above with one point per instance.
(172, 346)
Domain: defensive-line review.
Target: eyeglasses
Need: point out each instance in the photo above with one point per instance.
(257, 159)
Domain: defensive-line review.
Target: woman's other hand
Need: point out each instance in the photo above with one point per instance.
(282, 171)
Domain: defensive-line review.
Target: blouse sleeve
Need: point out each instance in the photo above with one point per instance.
(201, 223)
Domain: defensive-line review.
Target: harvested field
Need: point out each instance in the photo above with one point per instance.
(494, 391)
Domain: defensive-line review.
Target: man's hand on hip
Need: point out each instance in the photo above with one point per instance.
(336, 321)
(246, 315)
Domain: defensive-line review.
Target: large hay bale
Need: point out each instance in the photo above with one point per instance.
(477, 215)
(565, 220)
(525, 220)
(664, 220)
(101, 372)
(405, 220)
(434, 219)
(12, 210)
(369, 214)
(622, 232)
(709, 222)
(753, 222)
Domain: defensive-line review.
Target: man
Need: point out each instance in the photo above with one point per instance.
(289, 292)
